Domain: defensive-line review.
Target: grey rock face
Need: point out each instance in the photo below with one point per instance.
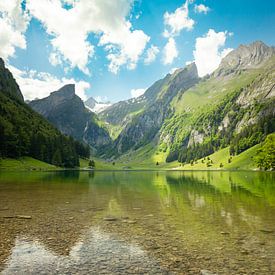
(91, 102)
(65, 110)
(245, 57)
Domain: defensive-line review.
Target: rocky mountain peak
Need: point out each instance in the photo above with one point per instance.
(184, 77)
(192, 69)
(65, 95)
(64, 109)
(67, 91)
(189, 70)
(245, 57)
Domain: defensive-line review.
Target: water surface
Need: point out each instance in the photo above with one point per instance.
(137, 222)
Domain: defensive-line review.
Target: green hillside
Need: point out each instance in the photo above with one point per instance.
(23, 132)
(222, 160)
(25, 163)
(185, 118)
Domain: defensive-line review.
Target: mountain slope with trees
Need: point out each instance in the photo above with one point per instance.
(234, 106)
(23, 132)
(155, 108)
(236, 109)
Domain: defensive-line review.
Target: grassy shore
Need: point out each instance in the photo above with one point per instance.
(220, 160)
(25, 164)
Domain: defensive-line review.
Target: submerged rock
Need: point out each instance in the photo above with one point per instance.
(23, 217)
(110, 219)
(265, 230)
(207, 272)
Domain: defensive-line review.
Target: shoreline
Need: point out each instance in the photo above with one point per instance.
(132, 170)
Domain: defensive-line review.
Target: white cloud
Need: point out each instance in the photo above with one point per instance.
(178, 20)
(137, 92)
(151, 54)
(188, 62)
(174, 23)
(201, 9)
(35, 84)
(13, 24)
(103, 18)
(170, 51)
(208, 52)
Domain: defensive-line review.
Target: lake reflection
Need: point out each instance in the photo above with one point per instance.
(137, 222)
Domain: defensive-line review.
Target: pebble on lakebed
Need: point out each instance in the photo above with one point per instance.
(18, 217)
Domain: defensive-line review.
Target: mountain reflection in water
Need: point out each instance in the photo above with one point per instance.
(137, 222)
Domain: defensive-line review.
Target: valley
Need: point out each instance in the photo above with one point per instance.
(180, 120)
(137, 137)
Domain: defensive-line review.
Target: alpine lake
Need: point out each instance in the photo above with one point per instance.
(137, 222)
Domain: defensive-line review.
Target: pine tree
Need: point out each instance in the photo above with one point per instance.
(57, 160)
(92, 163)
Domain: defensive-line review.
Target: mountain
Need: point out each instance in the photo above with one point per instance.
(24, 132)
(120, 114)
(179, 118)
(245, 57)
(65, 110)
(95, 106)
(150, 110)
(182, 117)
(233, 107)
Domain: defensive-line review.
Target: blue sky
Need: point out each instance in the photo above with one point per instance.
(221, 24)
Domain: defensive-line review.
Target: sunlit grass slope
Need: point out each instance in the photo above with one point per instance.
(222, 160)
(25, 163)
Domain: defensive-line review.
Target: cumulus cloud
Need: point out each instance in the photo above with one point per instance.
(201, 9)
(178, 20)
(209, 51)
(151, 54)
(13, 24)
(174, 23)
(137, 92)
(35, 84)
(103, 18)
(170, 51)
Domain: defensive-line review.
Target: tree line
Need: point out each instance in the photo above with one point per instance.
(25, 133)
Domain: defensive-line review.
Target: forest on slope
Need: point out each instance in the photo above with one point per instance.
(23, 132)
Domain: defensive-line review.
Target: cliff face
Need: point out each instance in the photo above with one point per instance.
(245, 57)
(8, 84)
(65, 110)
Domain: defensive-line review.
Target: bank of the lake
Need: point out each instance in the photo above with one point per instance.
(220, 160)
